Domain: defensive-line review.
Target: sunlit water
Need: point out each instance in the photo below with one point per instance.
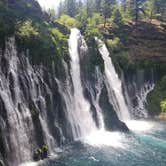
(140, 147)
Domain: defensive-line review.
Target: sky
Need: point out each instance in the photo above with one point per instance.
(49, 3)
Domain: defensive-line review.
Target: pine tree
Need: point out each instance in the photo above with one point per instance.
(106, 9)
(118, 21)
(98, 5)
(136, 7)
(60, 9)
(70, 7)
(90, 7)
(160, 9)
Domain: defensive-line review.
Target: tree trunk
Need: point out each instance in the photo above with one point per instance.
(105, 21)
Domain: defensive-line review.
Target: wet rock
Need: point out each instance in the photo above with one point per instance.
(2, 163)
(111, 120)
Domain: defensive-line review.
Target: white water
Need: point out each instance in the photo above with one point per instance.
(114, 85)
(140, 109)
(78, 108)
(20, 140)
(96, 96)
(139, 125)
(81, 115)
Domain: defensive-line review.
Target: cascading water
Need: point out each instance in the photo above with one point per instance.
(78, 108)
(141, 96)
(113, 84)
(95, 95)
(21, 100)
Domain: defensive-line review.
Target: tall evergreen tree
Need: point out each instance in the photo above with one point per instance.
(160, 9)
(90, 7)
(98, 5)
(136, 7)
(106, 9)
(61, 9)
(71, 7)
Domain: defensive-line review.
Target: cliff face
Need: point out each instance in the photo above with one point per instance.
(31, 113)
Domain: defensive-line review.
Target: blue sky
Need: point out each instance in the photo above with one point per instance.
(49, 3)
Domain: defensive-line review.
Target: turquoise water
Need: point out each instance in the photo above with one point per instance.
(138, 148)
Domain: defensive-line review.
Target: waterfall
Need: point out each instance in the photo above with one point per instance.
(113, 84)
(141, 95)
(77, 106)
(21, 99)
(95, 95)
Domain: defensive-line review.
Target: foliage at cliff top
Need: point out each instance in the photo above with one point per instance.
(36, 33)
(68, 21)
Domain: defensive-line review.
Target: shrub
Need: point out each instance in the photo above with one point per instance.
(26, 30)
(163, 105)
(92, 28)
(68, 21)
(114, 43)
(117, 19)
(156, 99)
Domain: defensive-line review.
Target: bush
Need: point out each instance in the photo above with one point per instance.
(124, 60)
(68, 21)
(117, 19)
(92, 28)
(163, 105)
(82, 19)
(113, 44)
(156, 99)
(26, 30)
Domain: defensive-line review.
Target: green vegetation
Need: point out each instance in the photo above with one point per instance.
(156, 99)
(113, 44)
(68, 21)
(92, 27)
(111, 10)
(163, 105)
(36, 34)
(34, 112)
(44, 147)
(26, 30)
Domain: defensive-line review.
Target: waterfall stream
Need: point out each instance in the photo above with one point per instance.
(141, 96)
(114, 85)
(78, 108)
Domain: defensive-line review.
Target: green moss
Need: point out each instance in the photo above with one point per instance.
(34, 112)
(156, 99)
(44, 147)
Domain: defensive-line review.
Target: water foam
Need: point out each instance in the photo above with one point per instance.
(139, 125)
(104, 138)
